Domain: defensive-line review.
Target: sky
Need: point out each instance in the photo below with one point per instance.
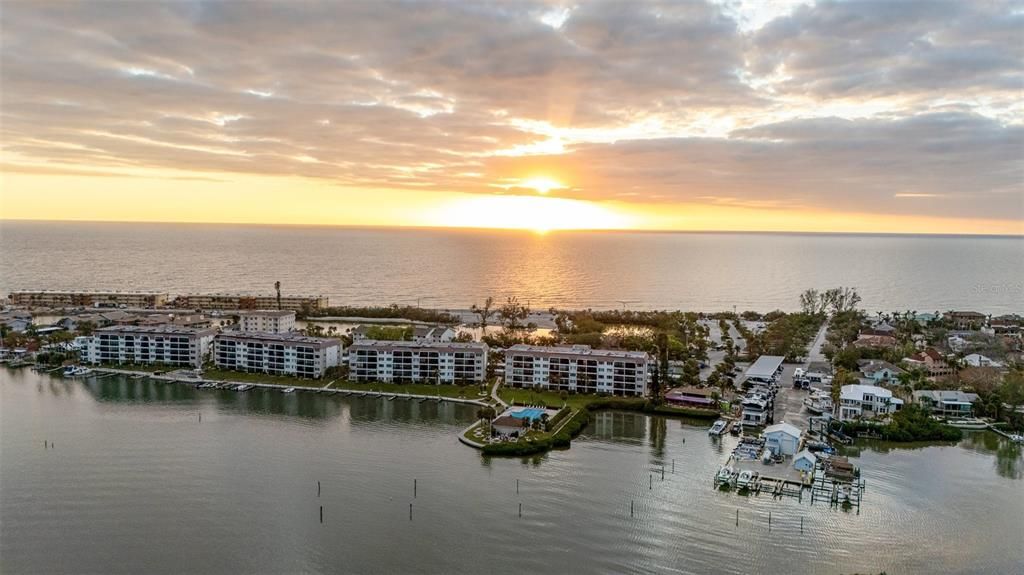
(900, 117)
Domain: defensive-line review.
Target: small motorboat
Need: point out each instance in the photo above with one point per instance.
(1016, 438)
(69, 371)
(744, 478)
(718, 428)
(288, 390)
(725, 474)
(244, 387)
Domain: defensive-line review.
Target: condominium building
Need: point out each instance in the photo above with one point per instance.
(48, 298)
(242, 301)
(266, 321)
(578, 368)
(150, 344)
(276, 353)
(410, 361)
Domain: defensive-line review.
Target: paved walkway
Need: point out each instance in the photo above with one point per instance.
(494, 394)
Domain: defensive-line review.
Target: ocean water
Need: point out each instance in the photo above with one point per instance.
(137, 482)
(453, 269)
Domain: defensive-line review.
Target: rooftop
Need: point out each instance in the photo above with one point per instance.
(278, 337)
(155, 329)
(857, 392)
(578, 350)
(382, 344)
(266, 312)
(787, 428)
(765, 366)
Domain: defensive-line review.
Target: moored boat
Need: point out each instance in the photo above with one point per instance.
(967, 423)
(288, 390)
(718, 428)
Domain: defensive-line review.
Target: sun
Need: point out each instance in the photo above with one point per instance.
(542, 184)
(540, 215)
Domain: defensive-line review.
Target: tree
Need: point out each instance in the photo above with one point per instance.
(810, 301)
(277, 288)
(485, 312)
(842, 377)
(513, 314)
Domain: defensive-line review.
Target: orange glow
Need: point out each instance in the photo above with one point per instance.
(527, 213)
(542, 185)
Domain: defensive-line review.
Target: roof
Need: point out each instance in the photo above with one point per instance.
(585, 350)
(805, 454)
(384, 344)
(508, 421)
(162, 329)
(857, 391)
(946, 395)
(869, 366)
(783, 427)
(691, 391)
(978, 360)
(266, 312)
(765, 366)
(277, 337)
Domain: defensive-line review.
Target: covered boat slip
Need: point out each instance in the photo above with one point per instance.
(764, 369)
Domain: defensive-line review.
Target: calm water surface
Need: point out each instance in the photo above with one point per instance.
(453, 269)
(137, 484)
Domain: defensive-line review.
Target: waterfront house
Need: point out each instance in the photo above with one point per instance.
(429, 334)
(577, 368)
(410, 361)
(877, 371)
(956, 343)
(691, 396)
(805, 461)
(756, 410)
(926, 318)
(289, 354)
(866, 401)
(978, 360)
(782, 438)
(931, 361)
(946, 402)
(970, 320)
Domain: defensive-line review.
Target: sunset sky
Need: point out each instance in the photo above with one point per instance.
(874, 116)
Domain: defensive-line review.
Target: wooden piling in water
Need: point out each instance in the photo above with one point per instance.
(769, 521)
(673, 466)
(414, 488)
(410, 512)
(520, 510)
(318, 489)
(663, 473)
(737, 518)
(321, 514)
(651, 486)
(801, 525)
(630, 507)
(517, 487)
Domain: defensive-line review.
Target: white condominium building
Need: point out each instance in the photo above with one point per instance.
(410, 361)
(266, 321)
(150, 344)
(276, 353)
(578, 368)
(243, 301)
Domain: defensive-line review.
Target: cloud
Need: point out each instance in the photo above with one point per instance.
(848, 105)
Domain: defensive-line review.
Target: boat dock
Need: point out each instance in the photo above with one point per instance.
(177, 377)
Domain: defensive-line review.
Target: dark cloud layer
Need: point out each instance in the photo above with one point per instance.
(435, 95)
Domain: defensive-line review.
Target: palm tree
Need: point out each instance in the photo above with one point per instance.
(277, 288)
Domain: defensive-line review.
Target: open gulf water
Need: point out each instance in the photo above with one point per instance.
(143, 477)
(453, 269)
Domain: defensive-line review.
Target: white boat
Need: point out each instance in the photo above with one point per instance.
(76, 371)
(744, 478)
(69, 371)
(968, 423)
(718, 428)
(725, 474)
(1016, 438)
(244, 387)
(288, 390)
(83, 371)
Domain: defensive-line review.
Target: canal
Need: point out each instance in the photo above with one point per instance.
(160, 478)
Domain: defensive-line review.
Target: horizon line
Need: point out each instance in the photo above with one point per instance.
(520, 230)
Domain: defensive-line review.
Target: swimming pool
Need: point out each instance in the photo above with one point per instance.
(530, 413)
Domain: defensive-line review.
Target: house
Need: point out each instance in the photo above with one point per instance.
(428, 334)
(881, 328)
(956, 342)
(869, 340)
(360, 333)
(865, 401)
(507, 425)
(782, 438)
(1009, 323)
(805, 461)
(17, 325)
(756, 410)
(691, 396)
(945, 402)
(978, 360)
(930, 361)
(876, 371)
(965, 319)
(926, 318)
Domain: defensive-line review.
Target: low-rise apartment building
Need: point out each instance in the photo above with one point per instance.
(410, 361)
(151, 344)
(242, 301)
(53, 298)
(266, 321)
(866, 401)
(276, 353)
(577, 368)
